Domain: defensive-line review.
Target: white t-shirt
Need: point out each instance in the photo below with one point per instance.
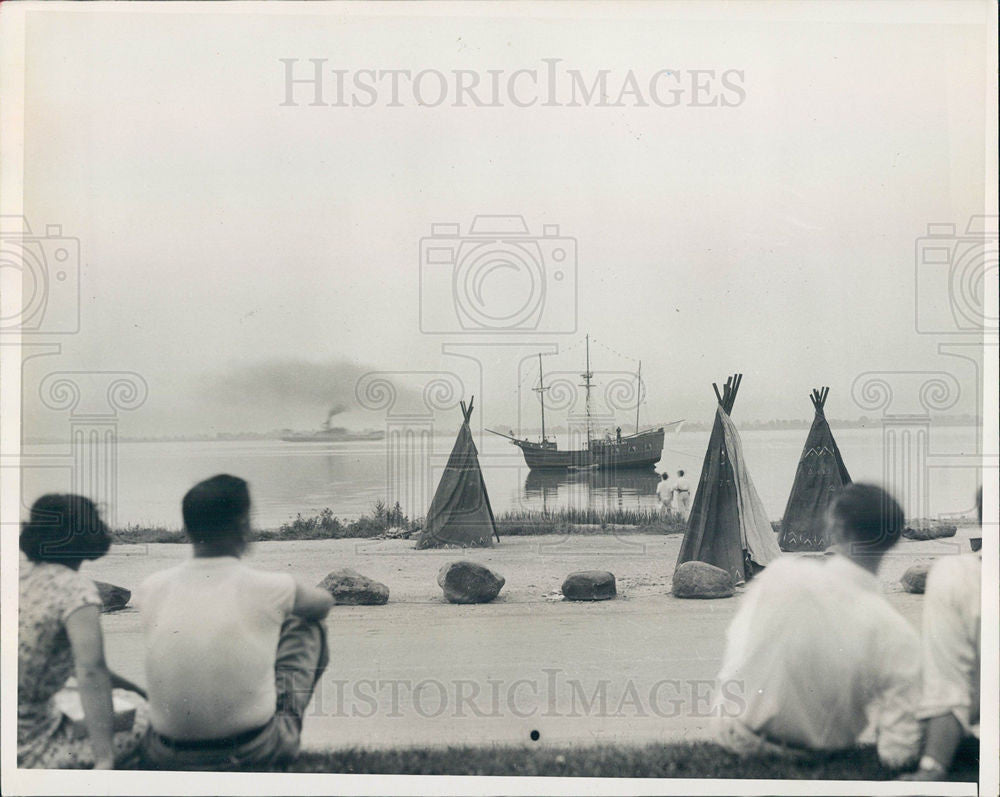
(211, 628)
(952, 645)
(815, 653)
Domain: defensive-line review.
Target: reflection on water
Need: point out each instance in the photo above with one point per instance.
(349, 477)
(591, 489)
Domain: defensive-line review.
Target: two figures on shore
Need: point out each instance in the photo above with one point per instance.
(674, 495)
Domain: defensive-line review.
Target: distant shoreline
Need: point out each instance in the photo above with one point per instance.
(698, 426)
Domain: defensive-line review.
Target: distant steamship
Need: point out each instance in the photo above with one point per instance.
(331, 434)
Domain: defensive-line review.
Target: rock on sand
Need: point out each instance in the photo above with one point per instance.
(469, 582)
(589, 585)
(929, 532)
(915, 578)
(349, 587)
(114, 598)
(701, 580)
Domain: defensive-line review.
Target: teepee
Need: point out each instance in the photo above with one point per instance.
(460, 514)
(728, 526)
(821, 474)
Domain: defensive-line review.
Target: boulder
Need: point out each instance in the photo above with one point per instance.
(469, 582)
(932, 531)
(589, 585)
(915, 578)
(976, 543)
(114, 598)
(348, 587)
(701, 580)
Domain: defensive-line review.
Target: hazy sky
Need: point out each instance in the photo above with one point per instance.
(246, 257)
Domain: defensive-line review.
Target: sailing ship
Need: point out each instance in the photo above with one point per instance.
(642, 449)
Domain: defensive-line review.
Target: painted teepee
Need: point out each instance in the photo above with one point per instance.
(820, 476)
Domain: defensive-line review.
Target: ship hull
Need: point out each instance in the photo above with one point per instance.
(637, 451)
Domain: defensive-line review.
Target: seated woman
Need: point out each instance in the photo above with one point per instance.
(59, 635)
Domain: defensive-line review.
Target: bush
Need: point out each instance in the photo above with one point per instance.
(326, 526)
(135, 534)
(588, 521)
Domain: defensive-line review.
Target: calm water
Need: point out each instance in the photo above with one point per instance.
(288, 478)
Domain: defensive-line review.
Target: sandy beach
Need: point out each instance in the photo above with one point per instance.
(421, 671)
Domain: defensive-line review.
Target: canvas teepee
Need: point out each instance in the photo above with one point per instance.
(820, 476)
(728, 526)
(460, 514)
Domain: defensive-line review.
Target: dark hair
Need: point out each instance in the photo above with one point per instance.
(872, 519)
(213, 508)
(680, 473)
(64, 528)
(664, 475)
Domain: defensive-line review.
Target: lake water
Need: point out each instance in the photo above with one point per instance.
(291, 478)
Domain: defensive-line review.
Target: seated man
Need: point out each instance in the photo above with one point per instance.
(815, 653)
(232, 653)
(952, 651)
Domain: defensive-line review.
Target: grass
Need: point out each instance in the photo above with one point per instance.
(327, 526)
(587, 521)
(678, 760)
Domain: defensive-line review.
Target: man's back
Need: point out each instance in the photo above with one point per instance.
(818, 653)
(211, 629)
(952, 642)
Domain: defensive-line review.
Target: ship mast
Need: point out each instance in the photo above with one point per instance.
(540, 390)
(638, 394)
(587, 376)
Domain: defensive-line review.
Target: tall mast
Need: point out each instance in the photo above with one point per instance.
(587, 376)
(638, 394)
(540, 390)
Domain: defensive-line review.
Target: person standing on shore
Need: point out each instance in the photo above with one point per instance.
(233, 654)
(682, 496)
(664, 492)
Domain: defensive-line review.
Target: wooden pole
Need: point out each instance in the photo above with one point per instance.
(638, 393)
(541, 393)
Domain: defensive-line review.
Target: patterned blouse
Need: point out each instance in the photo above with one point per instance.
(49, 593)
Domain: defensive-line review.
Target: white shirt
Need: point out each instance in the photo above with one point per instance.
(682, 485)
(951, 641)
(815, 655)
(664, 491)
(211, 628)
